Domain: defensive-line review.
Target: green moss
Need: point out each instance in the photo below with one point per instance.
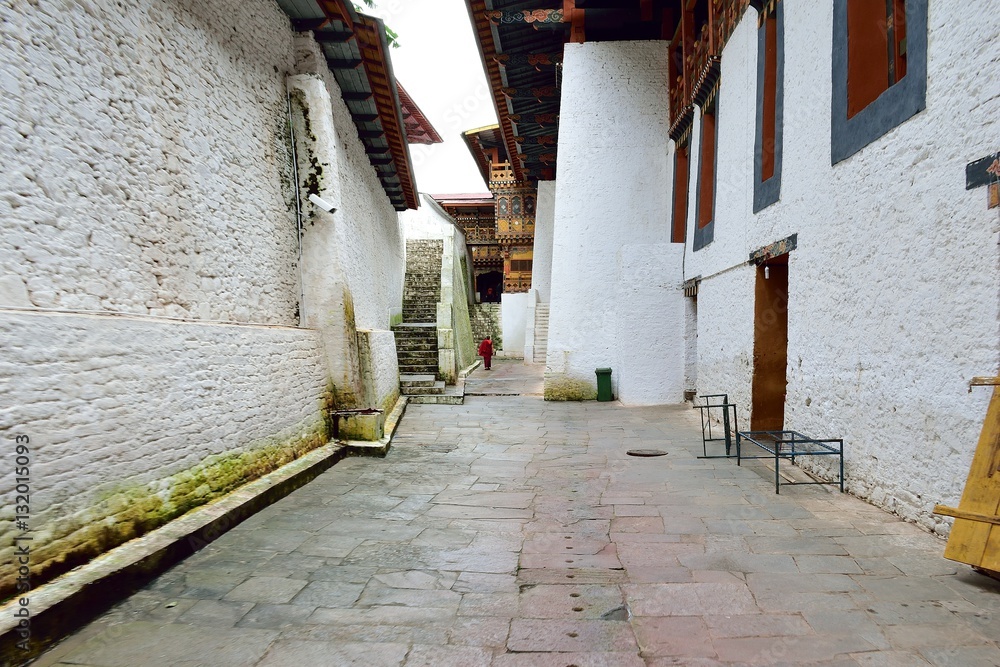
(124, 513)
(569, 389)
(315, 173)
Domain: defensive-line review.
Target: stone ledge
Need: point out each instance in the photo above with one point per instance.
(75, 598)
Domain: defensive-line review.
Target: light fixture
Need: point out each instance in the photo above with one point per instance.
(767, 272)
(322, 203)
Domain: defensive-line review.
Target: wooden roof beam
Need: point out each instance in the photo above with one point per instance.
(576, 18)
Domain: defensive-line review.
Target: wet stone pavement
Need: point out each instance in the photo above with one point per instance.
(512, 532)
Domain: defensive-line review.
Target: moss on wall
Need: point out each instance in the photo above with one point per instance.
(124, 513)
(569, 389)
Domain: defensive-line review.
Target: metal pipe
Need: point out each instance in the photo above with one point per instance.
(298, 203)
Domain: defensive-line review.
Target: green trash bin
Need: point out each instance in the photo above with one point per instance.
(604, 384)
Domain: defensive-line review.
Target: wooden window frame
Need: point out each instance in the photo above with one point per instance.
(682, 176)
(708, 161)
(770, 108)
(856, 125)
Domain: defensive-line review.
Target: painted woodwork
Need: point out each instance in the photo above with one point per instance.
(867, 46)
(681, 162)
(515, 224)
(706, 182)
(770, 102)
(975, 537)
(770, 346)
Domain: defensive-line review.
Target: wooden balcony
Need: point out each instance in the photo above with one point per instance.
(696, 54)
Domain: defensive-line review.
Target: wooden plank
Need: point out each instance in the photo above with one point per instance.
(984, 382)
(944, 510)
(974, 542)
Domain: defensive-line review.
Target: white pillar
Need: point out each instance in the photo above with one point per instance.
(616, 297)
(541, 263)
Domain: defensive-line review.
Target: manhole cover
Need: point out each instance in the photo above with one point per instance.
(646, 452)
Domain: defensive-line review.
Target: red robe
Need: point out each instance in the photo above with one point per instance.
(486, 350)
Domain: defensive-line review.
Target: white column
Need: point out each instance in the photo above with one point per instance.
(541, 263)
(616, 298)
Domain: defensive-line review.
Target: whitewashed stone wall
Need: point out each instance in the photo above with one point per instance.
(132, 421)
(144, 149)
(513, 322)
(147, 173)
(893, 289)
(616, 280)
(541, 263)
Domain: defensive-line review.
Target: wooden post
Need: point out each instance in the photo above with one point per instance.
(687, 46)
(576, 20)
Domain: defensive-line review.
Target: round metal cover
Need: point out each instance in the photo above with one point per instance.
(646, 452)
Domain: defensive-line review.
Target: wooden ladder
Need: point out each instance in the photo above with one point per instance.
(975, 537)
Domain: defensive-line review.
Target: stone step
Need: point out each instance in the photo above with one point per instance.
(415, 328)
(415, 345)
(406, 381)
(436, 388)
(417, 358)
(438, 399)
(416, 368)
(418, 339)
(422, 369)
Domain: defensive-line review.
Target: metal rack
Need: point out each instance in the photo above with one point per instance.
(788, 445)
(728, 420)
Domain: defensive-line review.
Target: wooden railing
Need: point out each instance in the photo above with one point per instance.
(704, 51)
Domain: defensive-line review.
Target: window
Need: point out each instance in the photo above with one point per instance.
(770, 107)
(521, 265)
(879, 69)
(679, 222)
(876, 50)
(705, 204)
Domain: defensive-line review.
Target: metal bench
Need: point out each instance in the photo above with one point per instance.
(789, 445)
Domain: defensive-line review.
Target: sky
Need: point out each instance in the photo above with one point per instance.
(439, 65)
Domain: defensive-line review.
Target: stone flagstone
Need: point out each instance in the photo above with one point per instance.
(511, 532)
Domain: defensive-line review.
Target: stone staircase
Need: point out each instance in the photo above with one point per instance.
(416, 337)
(485, 320)
(541, 332)
(422, 287)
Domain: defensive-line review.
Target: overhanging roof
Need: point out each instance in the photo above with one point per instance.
(418, 129)
(521, 46)
(357, 53)
(465, 199)
(480, 141)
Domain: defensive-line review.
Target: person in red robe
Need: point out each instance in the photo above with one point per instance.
(486, 352)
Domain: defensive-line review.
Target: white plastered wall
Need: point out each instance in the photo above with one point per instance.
(616, 280)
(541, 263)
(893, 288)
(354, 258)
(514, 309)
(147, 176)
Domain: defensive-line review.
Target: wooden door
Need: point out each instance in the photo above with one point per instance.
(770, 346)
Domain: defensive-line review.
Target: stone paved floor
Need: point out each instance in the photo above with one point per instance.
(513, 532)
(508, 377)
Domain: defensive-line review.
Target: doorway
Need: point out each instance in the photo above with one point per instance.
(489, 285)
(770, 345)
